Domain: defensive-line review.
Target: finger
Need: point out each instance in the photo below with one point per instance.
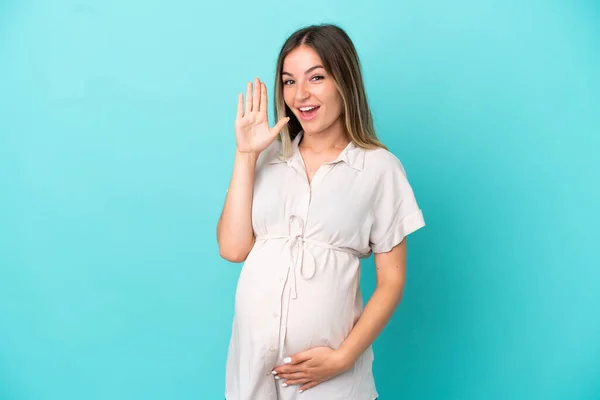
(294, 376)
(295, 382)
(248, 97)
(256, 96)
(240, 106)
(263, 99)
(288, 369)
(276, 129)
(308, 385)
(301, 357)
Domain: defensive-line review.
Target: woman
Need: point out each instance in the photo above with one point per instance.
(300, 212)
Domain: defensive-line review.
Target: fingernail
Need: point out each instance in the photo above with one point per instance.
(287, 360)
(300, 391)
(284, 384)
(277, 377)
(274, 372)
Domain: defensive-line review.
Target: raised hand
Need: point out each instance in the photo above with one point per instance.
(252, 132)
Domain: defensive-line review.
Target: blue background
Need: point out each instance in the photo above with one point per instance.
(116, 148)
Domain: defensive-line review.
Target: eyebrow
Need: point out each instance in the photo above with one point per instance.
(306, 72)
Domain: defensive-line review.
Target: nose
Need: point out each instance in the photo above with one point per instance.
(302, 92)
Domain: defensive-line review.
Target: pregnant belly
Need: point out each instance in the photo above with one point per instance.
(323, 314)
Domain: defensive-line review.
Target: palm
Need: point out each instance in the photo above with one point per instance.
(252, 131)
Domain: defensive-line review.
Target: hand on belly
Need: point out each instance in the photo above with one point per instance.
(309, 368)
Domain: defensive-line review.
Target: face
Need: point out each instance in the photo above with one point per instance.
(309, 91)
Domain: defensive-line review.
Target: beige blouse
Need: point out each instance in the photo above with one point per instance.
(299, 286)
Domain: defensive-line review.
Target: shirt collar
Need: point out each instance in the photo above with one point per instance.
(352, 155)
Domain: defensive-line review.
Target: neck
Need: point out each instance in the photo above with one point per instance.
(333, 137)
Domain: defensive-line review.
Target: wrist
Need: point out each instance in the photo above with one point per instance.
(246, 156)
(345, 358)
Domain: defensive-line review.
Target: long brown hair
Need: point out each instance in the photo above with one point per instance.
(341, 61)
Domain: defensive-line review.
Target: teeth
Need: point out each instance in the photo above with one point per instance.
(307, 108)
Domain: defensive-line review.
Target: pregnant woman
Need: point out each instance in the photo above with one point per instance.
(308, 198)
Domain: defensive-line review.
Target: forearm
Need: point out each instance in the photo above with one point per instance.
(234, 230)
(375, 316)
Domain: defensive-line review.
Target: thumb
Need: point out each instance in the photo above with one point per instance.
(297, 358)
(279, 126)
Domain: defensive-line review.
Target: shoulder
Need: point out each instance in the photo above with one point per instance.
(389, 176)
(382, 162)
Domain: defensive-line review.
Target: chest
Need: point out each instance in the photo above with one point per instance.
(314, 162)
(335, 204)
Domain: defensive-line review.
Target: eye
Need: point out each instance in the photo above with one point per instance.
(318, 77)
(288, 82)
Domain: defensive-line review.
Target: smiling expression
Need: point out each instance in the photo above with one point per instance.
(309, 91)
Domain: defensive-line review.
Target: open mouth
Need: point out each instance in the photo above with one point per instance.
(309, 112)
